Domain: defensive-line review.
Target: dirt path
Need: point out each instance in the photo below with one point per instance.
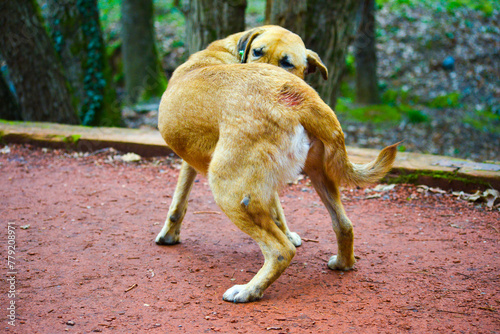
(86, 260)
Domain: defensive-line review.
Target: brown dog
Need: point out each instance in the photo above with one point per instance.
(250, 128)
(268, 44)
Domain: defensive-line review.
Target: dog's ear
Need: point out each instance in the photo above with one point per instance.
(314, 62)
(245, 43)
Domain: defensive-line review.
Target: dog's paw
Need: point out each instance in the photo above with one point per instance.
(335, 264)
(294, 238)
(242, 294)
(167, 239)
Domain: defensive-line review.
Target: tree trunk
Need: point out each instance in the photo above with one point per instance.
(77, 35)
(366, 57)
(9, 109)
(33, 64)
(144, 76)
(330, 29)
(291, 15)
(326, 27)
(210, 20)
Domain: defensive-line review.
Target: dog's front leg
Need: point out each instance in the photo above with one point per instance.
(170, 233)
(280, 220)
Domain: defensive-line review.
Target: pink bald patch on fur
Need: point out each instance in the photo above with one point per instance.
(289, 97)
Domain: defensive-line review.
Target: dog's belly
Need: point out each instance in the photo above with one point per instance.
(293, 154)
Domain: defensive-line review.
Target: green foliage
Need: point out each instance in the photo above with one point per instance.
(484, 120)
(400, 96)
(449, 100)
(166, 13)
(379, 113)
(417, 116)
(396, 106)
(396, 3)
(72, 139)
(109, 12)
(350, 64)
(347, 91)
(487, 7)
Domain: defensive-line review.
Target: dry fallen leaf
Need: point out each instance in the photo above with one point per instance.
(425, 189)
(384, 187)
(131, 157)
(5, 150)
(489, 196)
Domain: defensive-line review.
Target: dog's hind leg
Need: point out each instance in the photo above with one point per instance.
(169, 234)
(251, 213)
(329, 193)
(279, 218)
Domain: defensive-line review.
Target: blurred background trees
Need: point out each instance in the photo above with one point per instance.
(34, 67)
(142, 70)
(367, 90)
(426, 71)
(328, 27)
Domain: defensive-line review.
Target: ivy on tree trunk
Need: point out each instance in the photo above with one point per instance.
(76, 31)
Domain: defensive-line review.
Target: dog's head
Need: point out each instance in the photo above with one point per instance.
(278, 46)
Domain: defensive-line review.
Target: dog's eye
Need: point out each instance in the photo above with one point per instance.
(257, 53)
(285, 63)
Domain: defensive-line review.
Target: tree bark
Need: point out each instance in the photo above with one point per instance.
(9, 109)
(330, 29)
(210, 20)
(366, 57)
(291, 15)
(76, 31)
(33, 64)
(144, 76)
(326, 27)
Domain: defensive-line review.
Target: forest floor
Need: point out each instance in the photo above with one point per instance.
(86, 260)
(448, 112)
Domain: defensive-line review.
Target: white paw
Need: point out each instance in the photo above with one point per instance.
(294, 238)
(167, 239)
(335, 264)
(242, 294)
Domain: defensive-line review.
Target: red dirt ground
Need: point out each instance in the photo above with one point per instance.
(428, 263)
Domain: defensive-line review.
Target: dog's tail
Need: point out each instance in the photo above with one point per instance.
(338, 166)
(321, 123)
